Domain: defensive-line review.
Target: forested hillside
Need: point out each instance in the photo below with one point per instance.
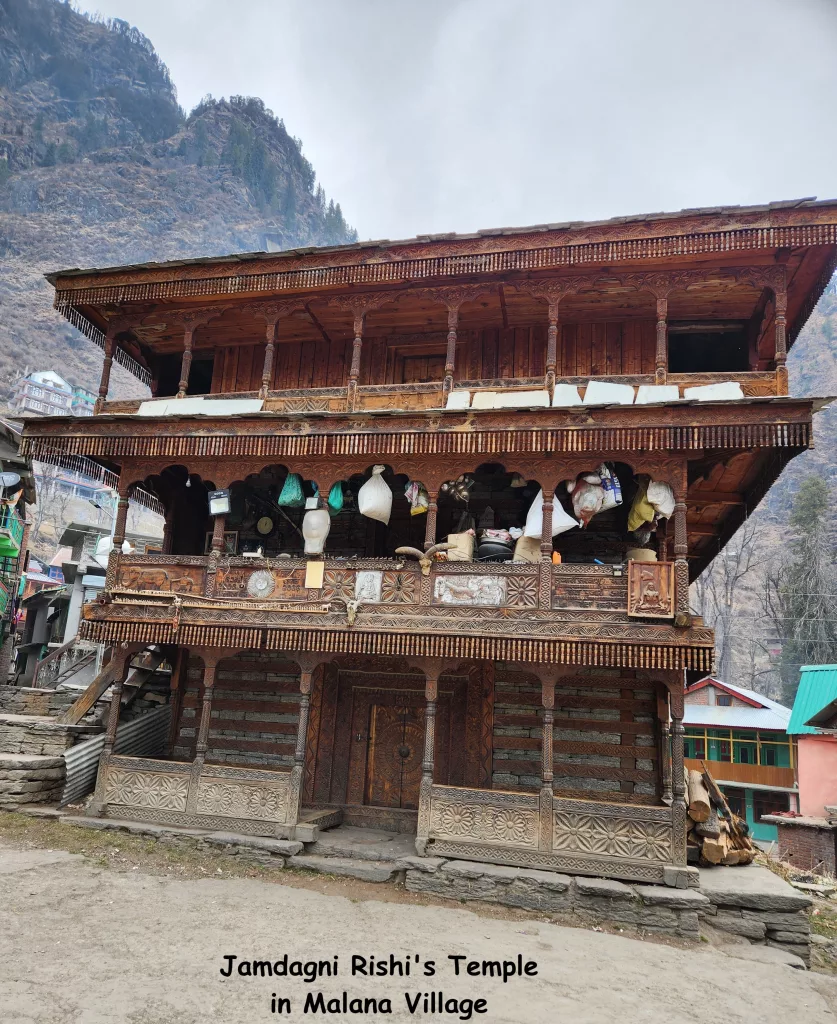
(99, 166)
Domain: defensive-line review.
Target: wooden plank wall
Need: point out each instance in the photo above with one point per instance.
(584, 350)
(604, 736)
(255, 712)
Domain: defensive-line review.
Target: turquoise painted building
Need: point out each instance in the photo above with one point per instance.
(743, 738)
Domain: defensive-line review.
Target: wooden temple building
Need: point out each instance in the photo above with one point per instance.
(520, 710)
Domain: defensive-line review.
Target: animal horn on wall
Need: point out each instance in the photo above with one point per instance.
(425, 558)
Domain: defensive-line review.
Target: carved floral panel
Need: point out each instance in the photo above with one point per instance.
(266, 801)
(503, 824)
(612, 836)
(146, 789)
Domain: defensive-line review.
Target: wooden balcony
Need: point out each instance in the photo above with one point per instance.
(430, 395)
(581, 614)
(725, 772)
(11, 531)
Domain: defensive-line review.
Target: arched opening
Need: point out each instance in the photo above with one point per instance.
(184, 497)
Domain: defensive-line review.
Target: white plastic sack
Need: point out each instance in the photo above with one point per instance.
(726, 391)
(458, 400)
(605, 392)
(661, 497)
(648, 394)
(374, 499)
(561, 521)
(565, 395)
(521, 399)
(612, 492)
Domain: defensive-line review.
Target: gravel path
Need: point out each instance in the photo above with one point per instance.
(88, 945)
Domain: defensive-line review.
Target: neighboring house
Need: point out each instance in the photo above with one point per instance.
(743, 737)
(46, 393)
(813, 724)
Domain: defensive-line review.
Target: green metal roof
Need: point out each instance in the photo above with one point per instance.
(817, 687)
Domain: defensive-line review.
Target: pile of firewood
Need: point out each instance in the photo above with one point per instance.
(715, 834)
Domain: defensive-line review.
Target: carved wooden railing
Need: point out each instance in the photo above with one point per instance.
(248, 800)
(430, 395)
(382, 581)
(630, 841)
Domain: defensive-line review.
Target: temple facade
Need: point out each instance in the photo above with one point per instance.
(432, 512)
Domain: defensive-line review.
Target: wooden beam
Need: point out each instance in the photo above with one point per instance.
(701, 531)
(316, 322)
(715, 498)
(503, 309)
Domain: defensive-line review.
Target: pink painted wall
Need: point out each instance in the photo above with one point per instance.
(817, 773)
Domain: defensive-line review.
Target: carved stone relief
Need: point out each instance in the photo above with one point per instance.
(146, 789)
(368, 586)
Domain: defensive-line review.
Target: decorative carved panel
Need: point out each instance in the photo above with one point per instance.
(470, 590)
(589, 586)
(261, 800)
(612, 836)
(154, 790)
(484, 816)
(243, 582)
(171, 578)
(651, 590)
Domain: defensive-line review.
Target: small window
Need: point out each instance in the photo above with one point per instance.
(768, 755)
(723, 700)
(765, 802)
(714, 351)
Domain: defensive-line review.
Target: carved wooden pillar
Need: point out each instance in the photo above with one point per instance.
(357, 348)
(430, 525)
(215, 552)
(661, 357)
(545, 567)
(552, 348)
(210, 662)
(186, 362)
(168, 529)
(547, 767)
(681, 550)
(675, 683)
(119, 525)
(307, 665)
(664, 718)
(269, 352)
(97, 805)
(104, 382)
(781, 309)
(450, 357)
(433, 670)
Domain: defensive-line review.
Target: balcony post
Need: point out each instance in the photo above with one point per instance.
(119, 525)
(186, 362)
(432, 510)
(547, 766)
(104, 382)
(682, 616)
(210, 663)
(552, 346)
(122, 656)
(269, 350)
(450, 356)
(307, 664)
(780, 299)
(665, 744)
(215, 552)
(661, 357)
(432, 668)
(545, 566)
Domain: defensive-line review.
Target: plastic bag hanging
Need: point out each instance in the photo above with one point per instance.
(612, 492)
(416, 495)
(335, 498)
(374, 499)
(561, 521)
(291, 495)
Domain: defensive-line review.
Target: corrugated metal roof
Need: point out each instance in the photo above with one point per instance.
(817, 687)
(772, 714)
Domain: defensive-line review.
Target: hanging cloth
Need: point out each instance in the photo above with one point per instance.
(335, 499)
(291, 495)
(642, 511)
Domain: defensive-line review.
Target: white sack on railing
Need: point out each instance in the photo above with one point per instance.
(374, 499)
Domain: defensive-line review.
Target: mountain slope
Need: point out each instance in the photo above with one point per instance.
(100, 166)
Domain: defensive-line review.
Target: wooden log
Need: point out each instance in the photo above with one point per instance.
(714, 850)
(732, 857)
(711, 827)
(699, 805)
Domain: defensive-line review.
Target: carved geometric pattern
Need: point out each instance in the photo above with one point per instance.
(235, 800)
(614, 837)
(207, 821)
(522, 592)
(153, 790)
(398, 588)
(511, 826)
(338, 585)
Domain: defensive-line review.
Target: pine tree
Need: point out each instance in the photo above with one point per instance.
(802, 592)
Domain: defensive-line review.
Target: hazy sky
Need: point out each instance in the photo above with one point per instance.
(452, 115)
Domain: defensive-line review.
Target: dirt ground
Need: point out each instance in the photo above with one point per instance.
(128, 932)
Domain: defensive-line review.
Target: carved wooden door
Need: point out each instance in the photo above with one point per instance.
(396, 747)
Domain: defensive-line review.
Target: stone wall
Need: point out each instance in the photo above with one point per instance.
(26, 700)
(30, 734)
(255, 712)
(30, 779)
(595, 711)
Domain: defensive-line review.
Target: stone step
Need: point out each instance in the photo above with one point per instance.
(349, 867)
